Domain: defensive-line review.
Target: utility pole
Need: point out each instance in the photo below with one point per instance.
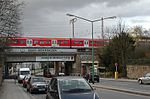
(73, 21)
(102, 29)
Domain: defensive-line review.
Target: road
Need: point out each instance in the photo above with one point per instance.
(109, 94)
(16, 91)
(128, 84)
(104, 94)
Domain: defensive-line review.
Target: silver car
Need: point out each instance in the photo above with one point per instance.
(145, 79)
(36, 84)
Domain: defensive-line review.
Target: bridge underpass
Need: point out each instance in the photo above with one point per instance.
(63, 60)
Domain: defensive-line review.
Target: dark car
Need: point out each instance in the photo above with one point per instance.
(70, 87)
(88, 77)
(36, 84)
(96, 78)
(46, 73)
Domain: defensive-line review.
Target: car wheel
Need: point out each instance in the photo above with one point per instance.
(31, 91)
(140, 81)
(27, 89)
(46, 97)
(98, 80)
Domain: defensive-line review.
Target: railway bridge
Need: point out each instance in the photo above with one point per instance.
(66, 60)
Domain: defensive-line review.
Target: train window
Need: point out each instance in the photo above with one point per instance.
(78, 42)
(35, 42)
(15, 41)
(65, 42)
(91, 42)
(41, 42)
(48, 42)
(94, 42)
(59, 42)
(22, 42)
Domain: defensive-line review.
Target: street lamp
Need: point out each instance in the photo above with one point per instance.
(92, 21)
(102, 19)
(73, 21)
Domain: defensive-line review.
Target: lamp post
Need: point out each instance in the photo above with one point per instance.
(92, 21)
(102, 19)
(73, 21)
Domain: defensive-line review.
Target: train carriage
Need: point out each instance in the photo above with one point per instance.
(57, 42)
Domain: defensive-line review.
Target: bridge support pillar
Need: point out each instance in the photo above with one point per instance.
(78, 64)
(56, 66)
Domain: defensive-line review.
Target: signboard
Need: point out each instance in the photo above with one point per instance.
(41, 50)
(55, 58)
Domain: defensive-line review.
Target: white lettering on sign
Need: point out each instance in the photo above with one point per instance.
(55, 58)
(41, 50)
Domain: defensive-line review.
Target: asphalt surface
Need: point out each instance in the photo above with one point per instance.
(123, 85)
(110, 94)
(12, 90)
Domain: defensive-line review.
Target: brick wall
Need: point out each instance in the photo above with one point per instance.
(136, 71)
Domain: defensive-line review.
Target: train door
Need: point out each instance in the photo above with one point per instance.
(29, 42)
(86, 43)
(54, 43)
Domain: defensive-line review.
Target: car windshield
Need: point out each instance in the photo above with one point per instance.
(25, 72)
(38, 80)
(147, 75)
(74, 85)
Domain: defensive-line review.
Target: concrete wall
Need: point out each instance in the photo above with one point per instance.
(136, 71)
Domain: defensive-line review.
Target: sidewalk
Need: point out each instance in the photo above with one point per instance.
(120, 79)
(10, 90)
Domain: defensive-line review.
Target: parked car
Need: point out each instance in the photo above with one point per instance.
(144, 79)
(25, 81)
(61, 74)
(70, 87)
(36, 84)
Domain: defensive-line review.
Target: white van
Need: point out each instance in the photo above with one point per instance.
(22, 72)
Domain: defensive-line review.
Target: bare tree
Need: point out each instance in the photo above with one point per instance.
(10, 20)
(10, 11)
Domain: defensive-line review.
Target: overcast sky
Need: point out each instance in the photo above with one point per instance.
(47, 18)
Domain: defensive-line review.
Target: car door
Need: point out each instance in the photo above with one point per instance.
(53, 90)
(146, 79)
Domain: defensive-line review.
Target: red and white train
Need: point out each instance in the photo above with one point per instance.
(57, 42)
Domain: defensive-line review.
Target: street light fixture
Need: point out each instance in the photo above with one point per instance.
(73, 21)
(102, 19)
(92, 21)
